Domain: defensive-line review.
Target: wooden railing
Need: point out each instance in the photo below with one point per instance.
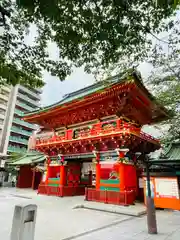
(95, 130)
(61, 191)
(110, 197)
(91, 194)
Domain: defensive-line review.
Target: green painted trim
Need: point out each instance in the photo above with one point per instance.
(54, 179)
(53, 185)
(113, 189)
(110, 181)
(84, 178)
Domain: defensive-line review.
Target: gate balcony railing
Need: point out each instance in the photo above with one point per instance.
(101, 129)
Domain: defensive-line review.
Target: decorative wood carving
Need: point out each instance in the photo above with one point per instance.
(105, 107)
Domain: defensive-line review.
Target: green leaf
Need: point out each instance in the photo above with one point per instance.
(92, 34)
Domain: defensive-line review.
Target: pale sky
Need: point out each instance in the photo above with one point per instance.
(55, 89)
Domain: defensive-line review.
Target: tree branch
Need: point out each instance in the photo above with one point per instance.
(4, 13)
(159, 39)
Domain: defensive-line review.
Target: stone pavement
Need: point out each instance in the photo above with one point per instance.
(136, 210)
(136, 229)
(57, 220)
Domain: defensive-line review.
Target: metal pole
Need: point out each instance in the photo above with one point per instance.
(151, 212)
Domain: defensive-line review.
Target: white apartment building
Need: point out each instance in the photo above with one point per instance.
(14, 132)
(4, 98)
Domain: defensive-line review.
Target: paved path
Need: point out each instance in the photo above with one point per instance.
(57, 220)
(136, 210)
(136, 229)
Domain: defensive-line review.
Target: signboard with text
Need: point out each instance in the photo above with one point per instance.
(167, 188)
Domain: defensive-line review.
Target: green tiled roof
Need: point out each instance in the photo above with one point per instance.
(127, 76)
(173, 151)
(29, 158)
(170, 157)
(98, 86)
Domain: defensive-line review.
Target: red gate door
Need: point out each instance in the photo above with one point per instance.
(74, 174)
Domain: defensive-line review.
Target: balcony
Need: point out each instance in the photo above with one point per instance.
(16, 149)
(18, 140)
(19, 112)
(1, 125)
(25, 124)
(6, 88)
(113, 128)
(4, 97)
(3, 106)
(20, 131)
(31, 93)
(24, 106)
(28, 100)
(2, 116)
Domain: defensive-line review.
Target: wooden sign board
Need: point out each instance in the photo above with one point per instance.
(167, 188)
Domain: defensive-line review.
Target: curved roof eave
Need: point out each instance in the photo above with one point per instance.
(79, 94)
(68, 98)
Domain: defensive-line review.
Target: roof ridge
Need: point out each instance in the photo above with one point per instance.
(94, 85)
(171, 148)
(111, 80)
(122, 77)
(71, 94)
(167, 150)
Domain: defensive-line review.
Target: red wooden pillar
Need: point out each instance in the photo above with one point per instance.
(121, 172)
(62, 172)
(18, 178)
(121, 177)
(90, 178)
(98, 170)
(33, 178)
(62, 175)
(47, 173)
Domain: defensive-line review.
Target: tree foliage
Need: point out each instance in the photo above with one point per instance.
(93, 34)
(165, 79)
(98, 33)
(167, 3)
(17, 61)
